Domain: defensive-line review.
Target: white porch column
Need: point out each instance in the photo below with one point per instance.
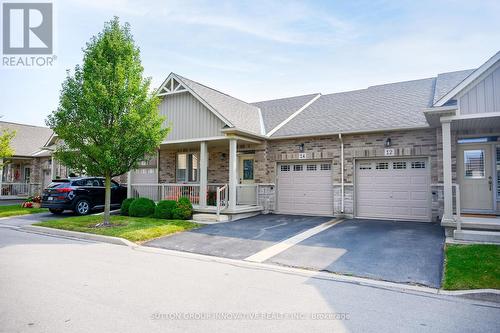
(233, 173)
(447, 176)
(203, 173)
(52, 168)
(129, 184)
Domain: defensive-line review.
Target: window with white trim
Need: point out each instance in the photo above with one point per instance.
(285, 167)
(298, 167)
(418, 165)
(187, 168)
(474, 163)
(311, 167)
(382, 166)
(399, 165)
(326, 167)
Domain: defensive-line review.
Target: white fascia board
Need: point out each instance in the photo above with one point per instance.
(293, 115)
(212, 138)
(472, 116)
(468, 80)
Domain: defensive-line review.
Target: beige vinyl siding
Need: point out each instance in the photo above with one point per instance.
(189, 118)
(483, 97)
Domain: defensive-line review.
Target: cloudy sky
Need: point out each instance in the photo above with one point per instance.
(258, 50)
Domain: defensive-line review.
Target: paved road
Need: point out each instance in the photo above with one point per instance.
(52, 284)
(239, 239)
(404, 252)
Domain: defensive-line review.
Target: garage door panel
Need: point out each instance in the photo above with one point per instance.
(398, 192)
(305, 192)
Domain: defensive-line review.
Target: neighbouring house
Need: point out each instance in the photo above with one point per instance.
(420, 150)
(31, 168)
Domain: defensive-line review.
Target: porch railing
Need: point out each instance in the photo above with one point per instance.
(159, 192)
(221, 198)
(19, 189)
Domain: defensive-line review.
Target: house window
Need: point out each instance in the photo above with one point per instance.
(187, 168)
(418, 165)
(399, 165)
(27, 174)
(474, 163)
(365, 166)
(326, 167)
(298, 167)
(311, 167)
(248, 169)
(285, 168)
(382, 166)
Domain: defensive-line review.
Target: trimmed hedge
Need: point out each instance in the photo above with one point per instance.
(126, 206)
(183, 209)
(142, 207)
(164, 209)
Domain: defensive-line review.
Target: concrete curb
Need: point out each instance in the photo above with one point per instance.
(79, 235)
(489, 295)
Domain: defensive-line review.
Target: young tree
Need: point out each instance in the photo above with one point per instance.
(5, 149)
(107, 119)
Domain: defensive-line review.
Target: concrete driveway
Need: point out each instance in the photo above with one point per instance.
(239, 239)
(405, 252)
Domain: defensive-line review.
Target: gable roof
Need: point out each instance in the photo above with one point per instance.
(447, 81)
(383, 107)
(29, 139)
(468, 80)
(235, 112)
(275, 111)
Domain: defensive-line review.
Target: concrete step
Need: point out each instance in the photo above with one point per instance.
(477, 236)
(207, 218)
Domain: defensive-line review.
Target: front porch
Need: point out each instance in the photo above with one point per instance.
(218, 175)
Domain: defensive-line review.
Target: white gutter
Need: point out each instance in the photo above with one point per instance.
(341, 173)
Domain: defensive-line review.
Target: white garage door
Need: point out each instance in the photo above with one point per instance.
(144, 175)
(305, 188)
(393, 189)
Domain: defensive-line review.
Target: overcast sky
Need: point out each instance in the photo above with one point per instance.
(258, 50)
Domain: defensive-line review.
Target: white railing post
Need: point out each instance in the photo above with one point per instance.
(457, 207)
(218, 202)
(129, 184)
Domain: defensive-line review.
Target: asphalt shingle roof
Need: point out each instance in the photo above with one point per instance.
(29, 139)
(242, 115)
(447, 81)
(277, 110)
(388, 106)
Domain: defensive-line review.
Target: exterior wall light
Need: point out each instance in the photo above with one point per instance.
(388, 142)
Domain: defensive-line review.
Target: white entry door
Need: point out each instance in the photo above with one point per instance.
(246, 192)
(475, 177)
(305, 188)
(393, 189)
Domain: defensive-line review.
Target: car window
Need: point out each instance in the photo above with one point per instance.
(97, 183)
(114, 184)
(58, 185)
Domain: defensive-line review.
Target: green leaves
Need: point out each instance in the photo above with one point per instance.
(107, 120)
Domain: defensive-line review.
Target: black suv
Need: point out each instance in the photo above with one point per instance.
(80, 195)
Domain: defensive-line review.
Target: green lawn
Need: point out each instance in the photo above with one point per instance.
(12, 210)
(135, 229)
(472, 267)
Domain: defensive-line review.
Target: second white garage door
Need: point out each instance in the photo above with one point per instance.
(305, 188)
(393, 189)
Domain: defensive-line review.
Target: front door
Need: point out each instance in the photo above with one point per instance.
(475, 177)
(246, 192)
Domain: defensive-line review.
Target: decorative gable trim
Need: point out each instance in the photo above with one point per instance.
(175, 85)
(484, 70)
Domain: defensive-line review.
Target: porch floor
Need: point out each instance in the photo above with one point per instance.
(482, 223)
(239, 209)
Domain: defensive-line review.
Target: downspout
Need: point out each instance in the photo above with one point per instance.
(341, 173)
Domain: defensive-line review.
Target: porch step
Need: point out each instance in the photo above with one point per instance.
(213, 218)
(477, 236)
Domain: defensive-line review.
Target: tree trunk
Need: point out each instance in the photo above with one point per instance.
(107, 200)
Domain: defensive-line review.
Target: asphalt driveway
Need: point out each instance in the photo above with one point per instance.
(405, 252)
(239, 239)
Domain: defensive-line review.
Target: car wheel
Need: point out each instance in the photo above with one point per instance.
(56, 211)
(82, 207)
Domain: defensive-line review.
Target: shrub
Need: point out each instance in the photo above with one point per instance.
(126, 206)
(164, 209)
(142, 207)
(183, 209)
